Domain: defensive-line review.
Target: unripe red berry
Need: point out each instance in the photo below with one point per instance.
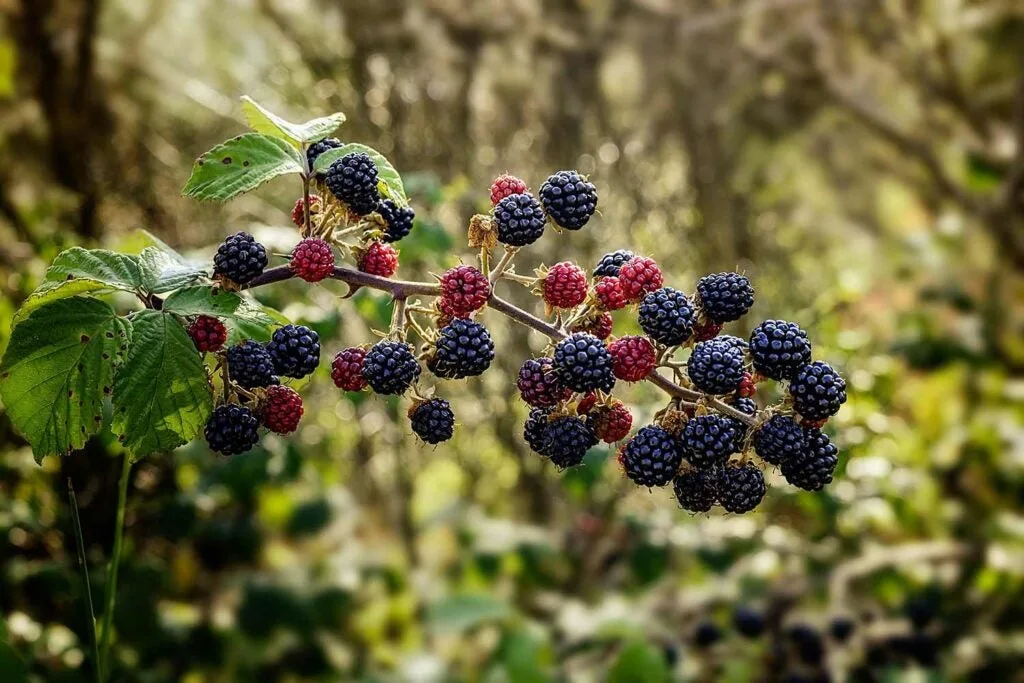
(379, 259)
(282, 410)
(586, 404)
(613, 422)
(312, 259)
(813, 424)
(505, 185)
(445, 312)
(638, 276)
(565, 285)
(608, 291)
(464, 289)
(705, 331)
(208, 333)
(298, 211)
(600, 326)
(347, 369)
(747, 386)
(633, 358)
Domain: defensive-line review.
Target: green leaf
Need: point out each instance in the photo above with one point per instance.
(639, 663)
(58, 366)
(264, 121)
(161, 395)
(83, 271)
(164, 271)
(245, 318)
(241, 164)
(389, 182)
(463, 612)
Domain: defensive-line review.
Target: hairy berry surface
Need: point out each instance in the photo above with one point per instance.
(312, 259)
(347, 369)
(520, 219)
(569, 198)
(232, 429)
(282, 410)
(240, 258)
(295, 351)
(565, 285)
(464, 348)
(538, 383)
(433, 420)
(817, 390)
(390, 367)
(666, 316)
(725, 297)
(633, 358)
(716, 366)
(583, 363)
(779, 348)
(352, 179)
(208, 333)
(652, 457)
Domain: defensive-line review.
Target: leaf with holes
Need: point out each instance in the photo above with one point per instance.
(162, 397)
(241, 164)
(58, 366)
(389, 182)
(264, 121)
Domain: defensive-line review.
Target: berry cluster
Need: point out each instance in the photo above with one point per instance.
(704, 442)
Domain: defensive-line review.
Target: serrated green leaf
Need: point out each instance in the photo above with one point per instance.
(390, 182)
(162, 397)
(48, 292)
(639, 663)
(241, 164)
(245, 318)
(166, 271)
(262, 120)
(58, 366)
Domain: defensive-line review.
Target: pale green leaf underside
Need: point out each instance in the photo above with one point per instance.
(241, 164)
(245, 318)
(59, 365)
(390, 183)
(164, 271)
(264, 121)
(48, 292)
(162, 397)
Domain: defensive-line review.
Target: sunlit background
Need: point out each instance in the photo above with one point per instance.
(861, 161)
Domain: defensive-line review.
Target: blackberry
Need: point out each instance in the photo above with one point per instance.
(612, 423)
(353, 179)
(652, 457)
(564, 285)
(389, 367)
(250, 365)
(779, 440)
(725, 297)
(504, 185)
(706, 634)
(539, 385)
(534, 431)
(696, 490)
(748, 621)
(608, 292)
(583, 363)
(810, 649)
(318, 148)
(779, 348)
(633, 358)
(709, 439)
(312, 259)
(433, 420)
(600, 325)
(817, 390)
(397, 220)
(299, 210)
(566, 440)
(841, 628)
(520, 219)
(464, 289)
(740, 488)
(282, 411)
(716, 366)
(464, 348)
(208, 333)
(240, 258)
(569, 198)
(295, 350)
(745, 406)
(232, 429)
(347, 369)
(610, 263)
(812, 468)
(639, 276)
(666, 316)
(378, 259)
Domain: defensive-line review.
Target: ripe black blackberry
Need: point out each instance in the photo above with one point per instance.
(240, 258)
(567, 439)
(250, 365)
(397, 220)
(610, 263)
(779, 348)
(810, 648)
(706, 634)
(696, 490)
(652, 457)
(569, 198)
(841, 628)
(232, 429)
(745, 405)
(353, 179)
(709, 439)
(724, 297)
(780, 440)
(538, 383)
(748, 621)
(666, 316)
(318, 148)
(812, 468)
(520, 219)
(583, 363)
(390, 367)
(295, 350)
(464, 348)
(535, 430)
(433, 420)
(740, 488)
(817, 390)
(716, 366)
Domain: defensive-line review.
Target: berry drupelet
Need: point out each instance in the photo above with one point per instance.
(282, 410)
(398, 220)
(433, 420)
(464, 289)
(598, 325)
(535, 430)
(379, 259)
(812, 468)
(610, 263)
(633, 358)
(740, 488)
(566, 440)
(583, 363)
(639, 276)
(696, 490)
(390, 367)
(779, 440)
(709, 439)
(208, 333)
(612, 422)
(505, 185)
(312, 259)
(240, 258)
(569, 199)
(318, 148)
(608, 292)
(564, 285)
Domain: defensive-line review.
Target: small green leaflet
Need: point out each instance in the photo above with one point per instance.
(639, 662)
(264, 121)
(241, 164)
(390, 183)
(82, 271)
(240, 314)
(162, 397)
(58, 367)
(164, 271)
